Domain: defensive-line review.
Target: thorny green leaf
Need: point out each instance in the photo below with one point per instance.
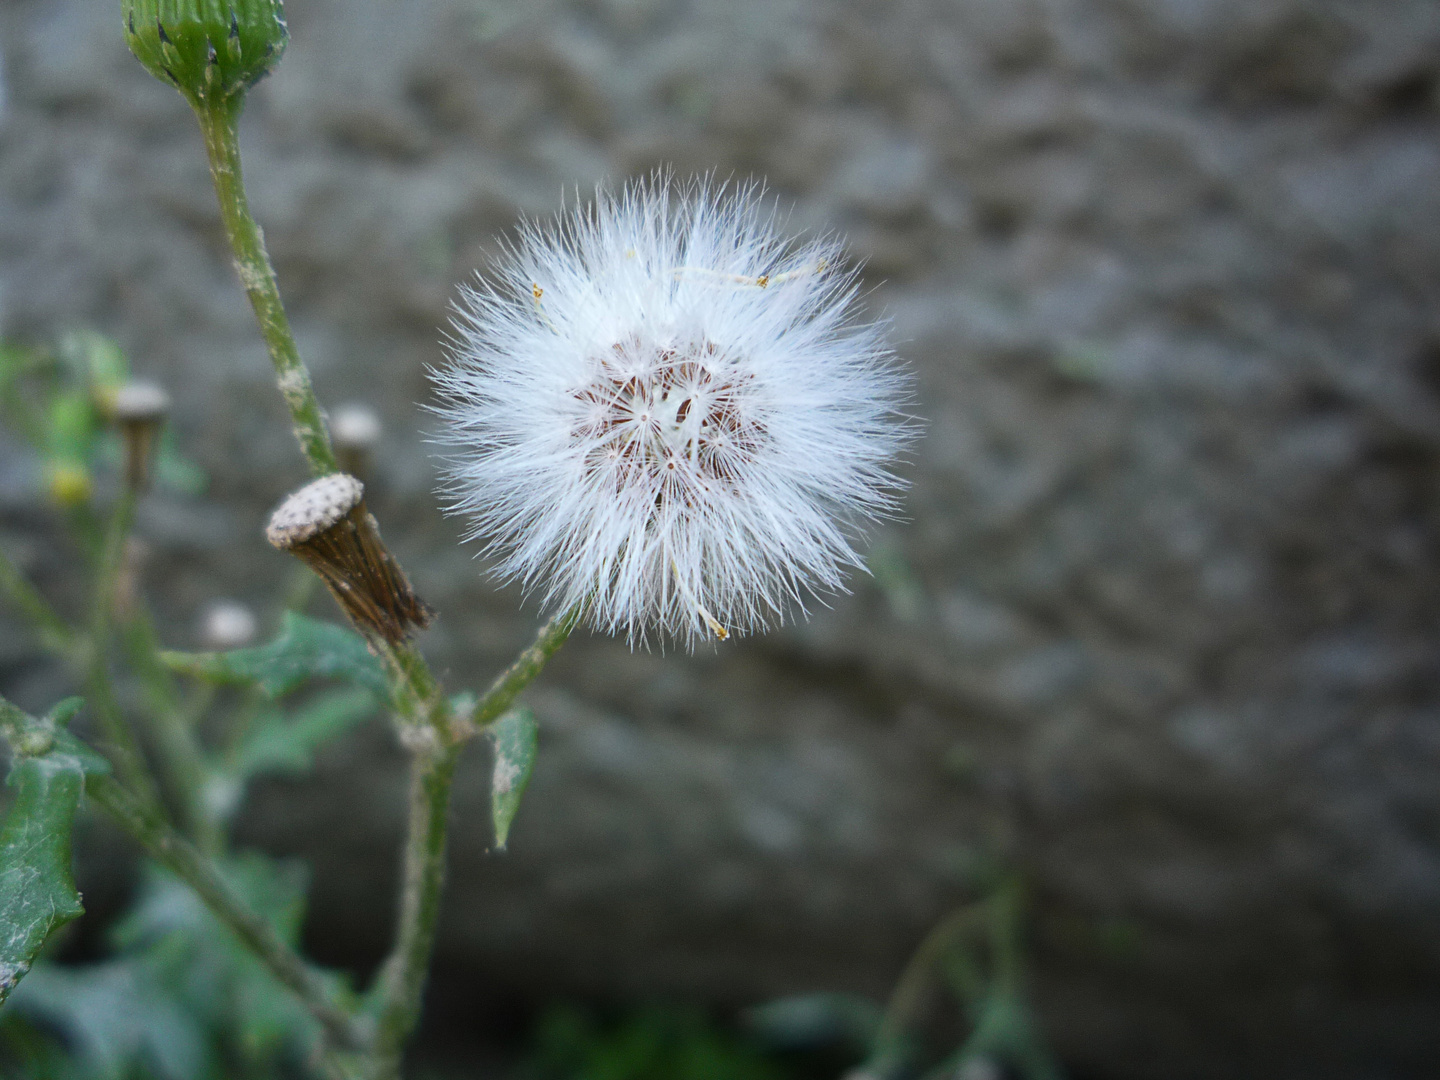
(516, 736)
(37, 885)
(304, 649)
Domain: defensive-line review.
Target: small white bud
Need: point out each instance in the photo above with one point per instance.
(227, 624)
(140, 402)
(355, 426)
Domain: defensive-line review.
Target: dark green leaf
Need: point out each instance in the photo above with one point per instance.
(220, 980)
(119, 1020)
(184, 992)
(515, 736)
(806, 1021)
(279, 743)
(37, 887)
(304, 649)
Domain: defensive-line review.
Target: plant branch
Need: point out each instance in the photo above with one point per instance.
(428, 722)
(124, 749)
(507, 686)
(170, 849)
(173, 730)
(219, 120)
(399, 989)
(904, 1005)
(54, 634)
(401, 984)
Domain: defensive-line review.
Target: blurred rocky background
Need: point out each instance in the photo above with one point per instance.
(1159, 632)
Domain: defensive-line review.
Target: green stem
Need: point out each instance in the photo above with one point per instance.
(401, 984)
(54, 634)
(219, 121)
(173, 851)
(400, 987)
(122, 744)
(522, 672)
(902, 1010)
(173, 730)
(415, 693)
(428, 722)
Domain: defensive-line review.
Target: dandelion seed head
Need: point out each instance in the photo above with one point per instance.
(662, 411)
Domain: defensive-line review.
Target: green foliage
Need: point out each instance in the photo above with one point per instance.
(975, 952)
(182, 999)
(651, 1044)
(304, 649)
(37, 885)
(810, 1020)
(60, 399)
(516, 737)
(281, 743)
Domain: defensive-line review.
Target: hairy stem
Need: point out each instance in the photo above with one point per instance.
(503, 691)
(400, 987)
(402, 982)
(170, 849)
(218, 124)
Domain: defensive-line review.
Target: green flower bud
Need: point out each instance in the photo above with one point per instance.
(211, 50)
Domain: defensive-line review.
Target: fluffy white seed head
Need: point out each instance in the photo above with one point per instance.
(665, 412)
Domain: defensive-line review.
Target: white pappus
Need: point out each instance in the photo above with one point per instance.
(663, 411)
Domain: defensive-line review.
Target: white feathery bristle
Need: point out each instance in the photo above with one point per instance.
(313, 509)
(664, 412)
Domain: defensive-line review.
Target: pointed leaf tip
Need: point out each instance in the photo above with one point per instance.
(516, 738)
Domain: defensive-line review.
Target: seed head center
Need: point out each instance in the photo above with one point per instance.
(674, 421)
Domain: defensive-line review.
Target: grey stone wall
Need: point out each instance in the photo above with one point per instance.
(1160, 629)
